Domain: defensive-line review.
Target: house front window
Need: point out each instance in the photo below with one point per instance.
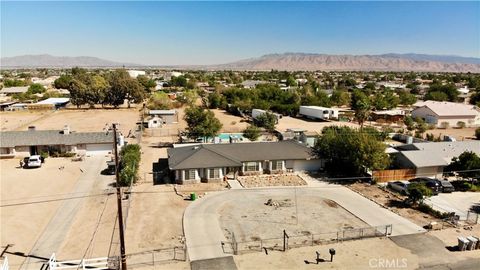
(190, 174)
(277, 165)
(251, 166)
(214, 173)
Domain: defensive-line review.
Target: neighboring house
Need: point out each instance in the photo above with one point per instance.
(14, 90)
(136, 73)
(252, 83)
(438, 113)
(167, 116)
(429, 159)
(211, 162)
(33, 142)
(152, 122)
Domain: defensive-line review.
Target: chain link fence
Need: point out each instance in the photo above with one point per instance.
(307, 239)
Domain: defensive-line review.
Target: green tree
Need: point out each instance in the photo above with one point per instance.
(36, 88)
(360, 104)
(216, 100)
(188, 97)
(340, 98)
(148, 84)
(467, 164)
(439, 92)
(159, 101)
(417, 192)
(78, 91)
(350, 152)
(122, 87)
(180, 81)
(477, 133)
(201, 123)
(63, 82)
(407, 98)
(252, 132)
(267, 121)
(409, 122)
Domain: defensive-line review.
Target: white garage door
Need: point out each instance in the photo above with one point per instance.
(99, 149)
(306, 165)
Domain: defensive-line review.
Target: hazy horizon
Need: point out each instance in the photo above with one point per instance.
(203, 33)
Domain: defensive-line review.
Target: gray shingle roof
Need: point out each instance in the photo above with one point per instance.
(51, 137)
(437, 153)
(232, 155)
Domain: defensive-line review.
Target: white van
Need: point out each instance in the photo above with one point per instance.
(34, 161)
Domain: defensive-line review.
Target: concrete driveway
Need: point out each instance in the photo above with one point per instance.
(458, 202)
(204, 235)
(57, 229)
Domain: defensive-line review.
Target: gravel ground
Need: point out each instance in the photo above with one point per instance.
(271, 180)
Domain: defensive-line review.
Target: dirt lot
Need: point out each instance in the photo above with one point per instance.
(349, 255)
(458, 133)
(79, 120)
(29, 199)
(392, 201)
(271, 180)
(263, 217)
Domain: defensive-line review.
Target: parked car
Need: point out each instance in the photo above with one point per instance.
(399, 186)
(447, 187)
(433, 184)
(34, 162)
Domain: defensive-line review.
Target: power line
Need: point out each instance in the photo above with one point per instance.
(55, 200)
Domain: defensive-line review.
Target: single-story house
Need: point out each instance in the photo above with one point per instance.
(167, 116)
(152, 122)
(211, 162)
(33, 142)
(447, 114)
(14, 90)
(430, 158)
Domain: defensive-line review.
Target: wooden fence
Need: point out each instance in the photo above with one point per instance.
(392, 175)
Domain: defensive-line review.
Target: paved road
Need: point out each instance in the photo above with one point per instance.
(204, 235)
(458, 202)
(57, 229)
(234, 184)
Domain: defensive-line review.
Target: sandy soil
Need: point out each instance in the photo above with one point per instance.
(271, 180)
(79, 120)
(458, 133)
(287, 122)
(20, 119)
(231, 123)
(38, 193)
(263, 217)
(392, 201)
(155, 218)
(349, 255)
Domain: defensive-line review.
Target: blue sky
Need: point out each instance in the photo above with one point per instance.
(217, 32)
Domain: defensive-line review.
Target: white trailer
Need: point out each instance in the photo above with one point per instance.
(257, 112)
(316, 112)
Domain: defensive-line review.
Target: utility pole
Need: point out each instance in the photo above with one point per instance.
(123, 257)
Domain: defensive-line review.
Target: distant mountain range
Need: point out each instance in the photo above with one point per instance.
(49, 61)
(286, 61)
(386, 62)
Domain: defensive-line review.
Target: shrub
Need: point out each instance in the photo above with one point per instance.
(427, 209)
(251, 132)
(130, 156)
(461, 124)
(444, 125)
(44, 154)
(417, 192)
(477, 133)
